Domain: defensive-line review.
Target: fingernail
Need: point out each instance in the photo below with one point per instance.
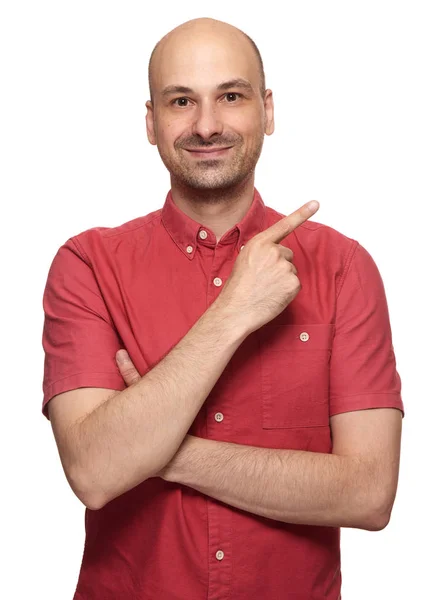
(122, 356)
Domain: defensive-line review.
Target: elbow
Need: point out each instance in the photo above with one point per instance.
(93, 501)
(376, 521)
(85, 492)
(94, 505)
(378, 516)
(95, 496)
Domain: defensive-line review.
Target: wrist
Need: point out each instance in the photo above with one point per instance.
(174, 468)
(232, 324)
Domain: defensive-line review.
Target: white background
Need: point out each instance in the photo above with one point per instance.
(360, 126)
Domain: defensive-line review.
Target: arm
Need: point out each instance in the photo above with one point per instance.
(118, 448)
(355, 486)
(135, 433)
(293, 486)
(349, 490)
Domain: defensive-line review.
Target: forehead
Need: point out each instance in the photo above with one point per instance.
(201, 62)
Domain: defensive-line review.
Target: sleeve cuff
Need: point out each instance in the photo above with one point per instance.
(113, 381)
(364, 401)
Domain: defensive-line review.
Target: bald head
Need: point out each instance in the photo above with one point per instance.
(201, 32)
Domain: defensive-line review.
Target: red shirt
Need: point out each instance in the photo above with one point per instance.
(142, 286)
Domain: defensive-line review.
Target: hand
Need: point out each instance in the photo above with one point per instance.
(131, 376)
(264, 279)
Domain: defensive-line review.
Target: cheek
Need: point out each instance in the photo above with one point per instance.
(249, 126)
(168, 129)
(167, 136)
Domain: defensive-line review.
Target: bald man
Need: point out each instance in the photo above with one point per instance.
(219, 377)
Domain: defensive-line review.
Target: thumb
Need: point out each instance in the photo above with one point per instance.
(127, 368)
(122, 356)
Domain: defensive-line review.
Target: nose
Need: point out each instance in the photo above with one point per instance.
(207, 121)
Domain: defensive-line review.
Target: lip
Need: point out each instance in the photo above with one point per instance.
(208, 153)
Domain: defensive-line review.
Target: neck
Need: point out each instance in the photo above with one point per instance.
(217, 209)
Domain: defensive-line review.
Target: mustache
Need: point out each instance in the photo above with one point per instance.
(217, 143)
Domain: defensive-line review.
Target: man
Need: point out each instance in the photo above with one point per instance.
(221, 459)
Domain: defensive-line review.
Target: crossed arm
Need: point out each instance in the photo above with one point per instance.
(355, 486)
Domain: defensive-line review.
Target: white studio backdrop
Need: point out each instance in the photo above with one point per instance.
(359, 90)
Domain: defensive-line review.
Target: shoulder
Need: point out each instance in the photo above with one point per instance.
(326, 243)
(130, 233)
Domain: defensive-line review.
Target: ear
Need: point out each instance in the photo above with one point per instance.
(150, 125)
(269, 112)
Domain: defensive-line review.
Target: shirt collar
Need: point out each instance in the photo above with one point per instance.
(187, 233)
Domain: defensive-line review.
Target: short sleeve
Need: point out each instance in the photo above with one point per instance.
(363, 370)
(79, 339)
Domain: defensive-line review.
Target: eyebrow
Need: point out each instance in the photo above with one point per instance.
(225, 85)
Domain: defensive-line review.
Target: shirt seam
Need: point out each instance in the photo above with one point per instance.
(364, 394)
(108, 318)
(85, 256)
(354, 246)
(109, 235)
(81, 373)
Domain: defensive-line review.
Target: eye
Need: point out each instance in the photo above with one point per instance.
(230, 95)
(179, 99)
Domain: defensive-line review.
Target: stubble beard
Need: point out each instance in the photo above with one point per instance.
(214, 174)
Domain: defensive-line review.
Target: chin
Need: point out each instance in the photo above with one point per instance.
(206, 184)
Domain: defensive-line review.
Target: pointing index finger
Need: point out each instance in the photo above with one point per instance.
(279, 231)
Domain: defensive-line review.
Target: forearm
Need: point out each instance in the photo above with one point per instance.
(134, 434)
(293, 486)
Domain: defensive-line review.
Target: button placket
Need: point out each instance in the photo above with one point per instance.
(219, 425)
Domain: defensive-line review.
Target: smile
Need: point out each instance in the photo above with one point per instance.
(208, 153)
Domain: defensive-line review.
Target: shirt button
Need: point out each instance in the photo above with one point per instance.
(218, 281)
(219, 417)
(189, 249)
(203, 234)
(304, 336)
(220, 554)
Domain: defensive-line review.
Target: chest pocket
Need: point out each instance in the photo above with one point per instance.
(295, 374)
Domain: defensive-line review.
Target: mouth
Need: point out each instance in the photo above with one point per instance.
(208, 153)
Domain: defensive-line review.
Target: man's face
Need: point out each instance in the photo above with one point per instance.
(206, 96)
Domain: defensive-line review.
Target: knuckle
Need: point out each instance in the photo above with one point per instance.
(129, 373)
